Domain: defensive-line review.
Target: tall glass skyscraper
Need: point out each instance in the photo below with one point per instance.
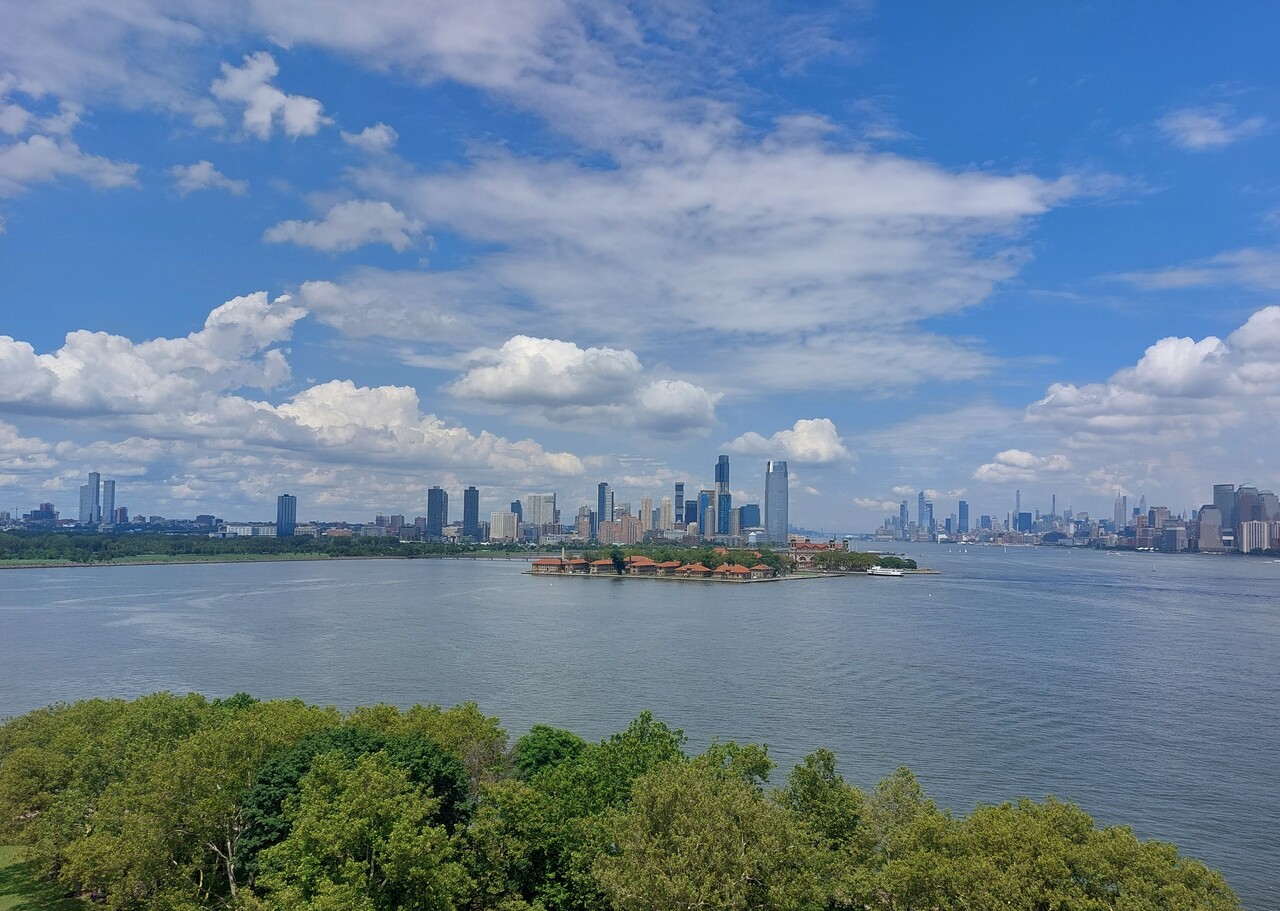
(107, 509)
(471, 513)
(438, 511)
(286, 515)
(724, 499)
(604, 505)
(776, 493)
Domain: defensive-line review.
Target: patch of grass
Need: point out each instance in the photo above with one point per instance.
(22, 890)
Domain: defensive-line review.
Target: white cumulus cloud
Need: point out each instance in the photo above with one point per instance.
(266, 106)
(190, 178)
(41, 158)
(809, 442)
(377, 138)
(589, 388)
(110, 374)
(349, 225)
(1020, 465)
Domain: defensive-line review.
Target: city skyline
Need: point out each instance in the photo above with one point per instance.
(245, 253)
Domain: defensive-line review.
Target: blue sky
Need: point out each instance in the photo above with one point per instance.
(354, 251)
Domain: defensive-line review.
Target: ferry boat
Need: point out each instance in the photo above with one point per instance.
(883, 571)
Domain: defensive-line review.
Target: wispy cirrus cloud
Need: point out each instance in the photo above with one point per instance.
(1200, 129)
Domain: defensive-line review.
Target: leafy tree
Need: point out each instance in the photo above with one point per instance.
(693, 837)
(476, 739)
(424, 761)
(820, 797)
(544, 747)
(362, 836)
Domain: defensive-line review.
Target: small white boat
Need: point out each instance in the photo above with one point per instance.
(883, 571)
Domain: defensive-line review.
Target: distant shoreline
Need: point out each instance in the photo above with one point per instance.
(246, 558)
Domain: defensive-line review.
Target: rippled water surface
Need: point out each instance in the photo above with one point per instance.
(1146, 689)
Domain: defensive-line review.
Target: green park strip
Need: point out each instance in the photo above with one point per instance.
(21, 889)
(183, 803)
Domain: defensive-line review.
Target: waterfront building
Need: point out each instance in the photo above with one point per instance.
(286, 515)
(471, 513)
(1254, 535)
(1210, 529)
(776, 502)
(437, 513)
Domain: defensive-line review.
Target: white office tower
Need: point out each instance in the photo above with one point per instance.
(776, 520)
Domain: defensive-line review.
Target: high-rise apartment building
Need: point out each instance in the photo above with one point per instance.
(666, 514)
(604, 505)
(471, 513)
(91, 500)
(504, 526)
(646, 512)
(724, 499)
(776, 494)
(1254, 535)
(437, 513)
(286, 515)
(540, 509)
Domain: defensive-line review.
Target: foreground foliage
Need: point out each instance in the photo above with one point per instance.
(177, 803)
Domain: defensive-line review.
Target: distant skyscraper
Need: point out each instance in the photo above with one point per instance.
(902, 520)
(749, 516)
(666, 514)
(920, 523)
(1122, 512)
(1224, 497)
(518, 510)
(679, 503)
(437, 512)
(964, 516)
(690, 512)
(91, 500)
(1017, 502)
(107, 509)
(471, 513)
(646, 512)
(724, 499)
(706, 504)
(776, 493)
(286, 515)
(604, 504)
(1210, 538)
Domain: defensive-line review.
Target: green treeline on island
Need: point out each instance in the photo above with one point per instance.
(178, 803)
(91, 548)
